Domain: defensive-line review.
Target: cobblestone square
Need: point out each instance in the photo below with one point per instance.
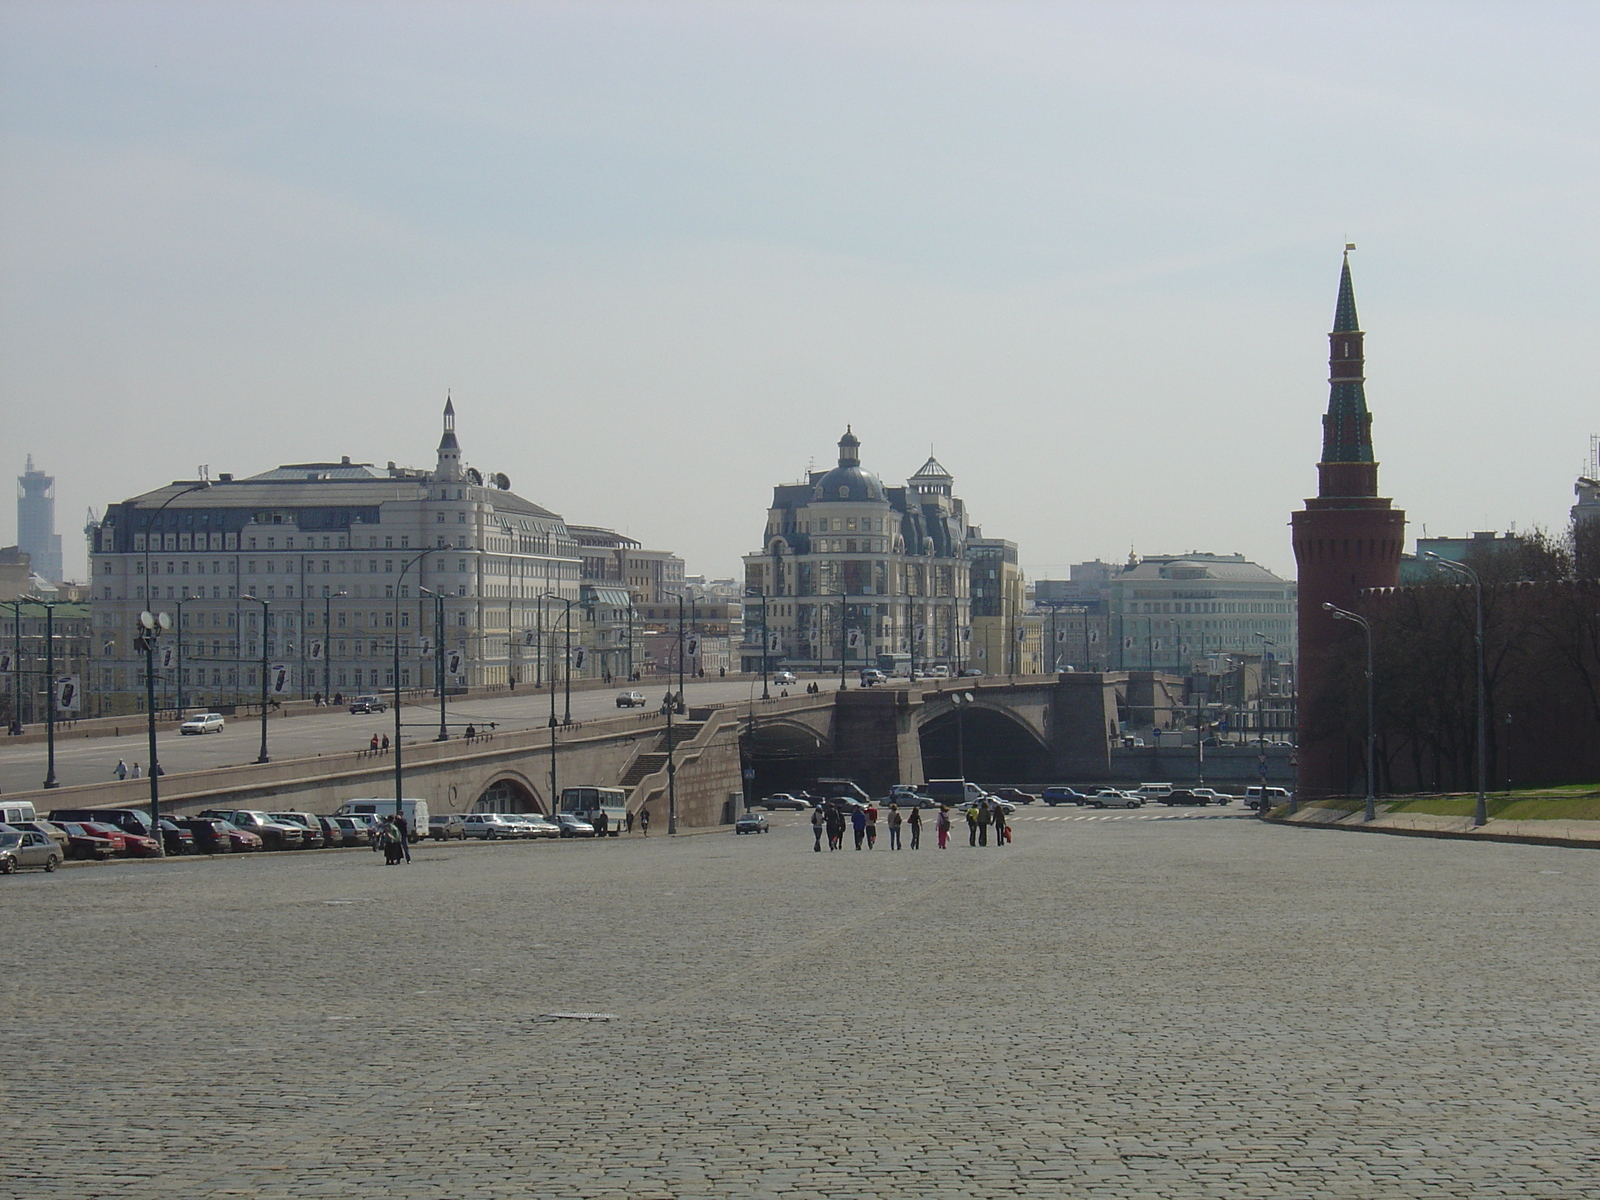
(1183, 1008)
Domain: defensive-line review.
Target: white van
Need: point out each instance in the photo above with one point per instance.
(414, 811)
(12, 811)
(1275, 797)
(939, 671)
(1154, 791)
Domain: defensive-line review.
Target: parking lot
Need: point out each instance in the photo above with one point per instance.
(1123, 1007)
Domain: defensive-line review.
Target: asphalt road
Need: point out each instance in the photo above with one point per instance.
(1173, 1006)
(92, 760)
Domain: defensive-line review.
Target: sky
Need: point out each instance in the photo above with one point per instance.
(661, 254)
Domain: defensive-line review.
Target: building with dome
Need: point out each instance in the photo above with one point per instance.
(852, 571)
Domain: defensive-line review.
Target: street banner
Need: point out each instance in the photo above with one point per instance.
(279, 679)
(922, 631)
(1094, 636)
(1127, 643)
(67, 694)
(453, 663)
(6, 663)
(774, 642)
(579, 654)
(169, 657)
(966, 633)
(1061, 635)
(853, 639)
(316, 651)
(1155, 644)
(1022, 634)
(691, 645)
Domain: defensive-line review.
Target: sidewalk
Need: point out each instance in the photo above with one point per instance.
(1578, 834)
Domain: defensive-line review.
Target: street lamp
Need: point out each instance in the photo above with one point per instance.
(1481, 814)
(1261, 720)
(672, 763)
(150, 629)
(844, 600)
(566, 673)
(960, 699)
(149, 533)
(327, 644)
(16, 664)
(438, 656)
(266, 610)
(766, 693)
(1340, 614)
(399, 579)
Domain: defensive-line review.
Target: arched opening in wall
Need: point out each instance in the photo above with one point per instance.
(508, 796)
(784, 757)
(998, 749)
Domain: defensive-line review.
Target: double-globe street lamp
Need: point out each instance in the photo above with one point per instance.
(961, 700)
(1341, 614)
(327, 643)
(266, 623)
(398, 779)
(1481, 815)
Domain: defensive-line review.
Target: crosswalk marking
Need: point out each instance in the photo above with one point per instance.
(1126, 816)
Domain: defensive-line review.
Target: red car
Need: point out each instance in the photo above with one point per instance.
(81, 843)
(134, 845)
(241, 839)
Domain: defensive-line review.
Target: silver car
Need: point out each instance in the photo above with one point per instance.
(26, 848)
(572, 825)
(543, 826)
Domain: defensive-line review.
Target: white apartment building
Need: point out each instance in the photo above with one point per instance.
(327, 570)
(1170, 612)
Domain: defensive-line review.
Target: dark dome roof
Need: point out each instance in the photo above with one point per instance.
(849, 483)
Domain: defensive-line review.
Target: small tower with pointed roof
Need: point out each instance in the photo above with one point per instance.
(1347, 539)
(449, 468)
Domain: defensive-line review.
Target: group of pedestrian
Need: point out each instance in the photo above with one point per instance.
(833, 818)
(378, 744)
(394, 838)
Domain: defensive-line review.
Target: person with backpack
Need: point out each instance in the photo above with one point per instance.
(972, 825)
(980, 814)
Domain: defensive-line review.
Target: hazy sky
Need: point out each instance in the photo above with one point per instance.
(662, 253)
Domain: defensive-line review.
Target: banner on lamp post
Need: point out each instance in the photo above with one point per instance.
(67, 694)
(278, 680)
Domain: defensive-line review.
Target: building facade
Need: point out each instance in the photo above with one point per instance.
(335, 571)
(1346, 539)
(1169, 612)
(853, 573)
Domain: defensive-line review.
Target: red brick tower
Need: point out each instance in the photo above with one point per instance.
(1345, 539)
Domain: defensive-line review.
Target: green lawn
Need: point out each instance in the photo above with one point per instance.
(1580, 802)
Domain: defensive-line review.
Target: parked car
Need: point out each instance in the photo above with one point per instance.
(242, 840)
(27, 848)
(520, 828)
(312, 837)
(445, 827)
(210, 835)
(368, 704)
(1275, 796)
(130, 820)
(871, 675)
(274, 835)
(630, 699)
(1211, 795)
(784, 800)
(574, 826)
(752, 822)
(175, 839)
(908, 795)
(109, 833)
(1111, 798)
(785, 678)
(202, 723)
(1183, 796)
(84, 843)
(1015, 795)
(543, 826)
(134, 845)
(51, 830)
(488, 826)
(971, 673)
(1060, 793)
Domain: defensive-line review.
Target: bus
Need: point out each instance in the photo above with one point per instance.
(590, 802)
(895, 666)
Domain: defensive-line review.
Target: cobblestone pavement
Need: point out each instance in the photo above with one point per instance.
(1135, 1008)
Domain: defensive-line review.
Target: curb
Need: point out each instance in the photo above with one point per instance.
(1522, 839)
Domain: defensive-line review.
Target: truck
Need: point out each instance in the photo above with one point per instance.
(414, 811)
(957, 793)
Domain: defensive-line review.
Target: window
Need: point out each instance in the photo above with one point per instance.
(388, 543)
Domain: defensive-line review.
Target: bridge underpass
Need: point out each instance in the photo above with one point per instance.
(993, 747)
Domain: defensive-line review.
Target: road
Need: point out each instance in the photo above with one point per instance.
(1184, 1006)
(92, 760)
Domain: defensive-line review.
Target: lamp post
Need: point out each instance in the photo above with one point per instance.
(567, 671)
(16, 665)
(911, 638)
(398, 784)
(1481, 815)
(49, 607)
(960, 700)
(150, 627)
(438, 656)
(1261, 721)
(766, 694)
(198, 486)
(327, 644)
(672, 761)
(266, 610)
(844, 601)
(630, 637)
(1340, 614)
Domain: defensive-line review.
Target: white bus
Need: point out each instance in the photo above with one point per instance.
(590, 802)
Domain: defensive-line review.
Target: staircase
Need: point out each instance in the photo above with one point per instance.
(649, 762)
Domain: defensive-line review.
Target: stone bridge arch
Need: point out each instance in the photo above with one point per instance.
(500, 790)
(996, 738)
(786, 753)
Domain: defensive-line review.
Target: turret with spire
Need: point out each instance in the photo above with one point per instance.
(449, 468)
(1347, 540)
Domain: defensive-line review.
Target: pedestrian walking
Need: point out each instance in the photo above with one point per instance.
(819, 824)
(472, 731)
(941, 825)
(120, 770)
(894, 826)
(405, 835)
(915, 822)
(644, 821)
(135, 772)
(998, 820)
(872, 826)
(858, 824)
(386, 743)
(835, 827)
(981, 815)
(628, 823)
(972, 825)
(601, 823)
(391, 842)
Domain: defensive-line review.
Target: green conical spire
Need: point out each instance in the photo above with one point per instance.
(1344, 315)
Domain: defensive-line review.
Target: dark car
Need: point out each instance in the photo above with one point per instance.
(129, 820)
(1015, 795)
(368, 704)
(1060, 793)
(275, 835)
(134, 845)
(311, 836)
(209, 834)
(1182, 796)
(243, 841)
(175, 839)
(81, 843)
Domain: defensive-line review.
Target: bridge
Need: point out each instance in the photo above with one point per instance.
(1020, 730)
